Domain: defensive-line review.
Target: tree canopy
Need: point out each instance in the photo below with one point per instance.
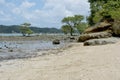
(71, 22)
(81, 27)
(101, 9)
(25, 29)
(66, 29)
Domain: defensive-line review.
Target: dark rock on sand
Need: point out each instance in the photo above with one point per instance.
(72, 38)
(11, 50)
(56, 41)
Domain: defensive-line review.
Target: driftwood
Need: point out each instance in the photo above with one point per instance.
(96, 35)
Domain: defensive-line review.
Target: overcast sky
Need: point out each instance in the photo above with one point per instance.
(40, 13)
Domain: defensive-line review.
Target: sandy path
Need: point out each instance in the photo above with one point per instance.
(75, 63)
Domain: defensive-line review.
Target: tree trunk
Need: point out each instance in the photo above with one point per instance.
(71, 31)
(23, 34)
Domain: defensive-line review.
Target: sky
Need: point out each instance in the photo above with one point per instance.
(40, 13)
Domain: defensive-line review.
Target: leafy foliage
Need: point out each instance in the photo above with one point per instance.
(72, 22)
(25, 29)
(66, 29)
(81, 27)
(102, 9)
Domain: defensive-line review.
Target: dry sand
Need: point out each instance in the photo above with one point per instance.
(75, 63)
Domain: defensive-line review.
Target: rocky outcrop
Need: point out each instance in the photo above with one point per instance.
(96, 35)
(116, 28)
(99, 27)
(102, 41)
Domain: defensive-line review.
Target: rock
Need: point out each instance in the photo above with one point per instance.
(72, 38)
(103, 41)
(56, 41)
(6, 46)
(96, 35)
(11, 50)
(102, 26)
(116, 28)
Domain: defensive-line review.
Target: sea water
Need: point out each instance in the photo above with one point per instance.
(25, 49)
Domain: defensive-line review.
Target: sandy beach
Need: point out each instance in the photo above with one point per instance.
(59, 40)
(77, 62)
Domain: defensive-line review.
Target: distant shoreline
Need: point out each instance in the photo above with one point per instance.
(16, 29)
(46, 37)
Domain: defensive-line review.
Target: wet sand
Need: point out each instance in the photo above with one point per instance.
(77, 62)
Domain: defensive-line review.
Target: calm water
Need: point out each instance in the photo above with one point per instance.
(25, 49)
(15, 34)
(30, 45)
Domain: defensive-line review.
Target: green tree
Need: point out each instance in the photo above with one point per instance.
(66, 29)
(25, 30)
(104, 10)
(72, 22)
(29, 31)
(69, 22)
(112, 8)
(95, 6)
(81, 27)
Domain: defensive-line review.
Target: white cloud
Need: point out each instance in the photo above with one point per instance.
(1, 13)
(2, 1)
(52, 12)
(55, 10)
(27, 4)
(5, 14)
(5, 17)
(23, 8)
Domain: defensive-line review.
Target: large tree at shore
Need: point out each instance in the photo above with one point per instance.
(72, 22)
(66, 29)
(102, 9)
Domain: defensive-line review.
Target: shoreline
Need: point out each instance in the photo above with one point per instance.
(76, 62)
(27, 47)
